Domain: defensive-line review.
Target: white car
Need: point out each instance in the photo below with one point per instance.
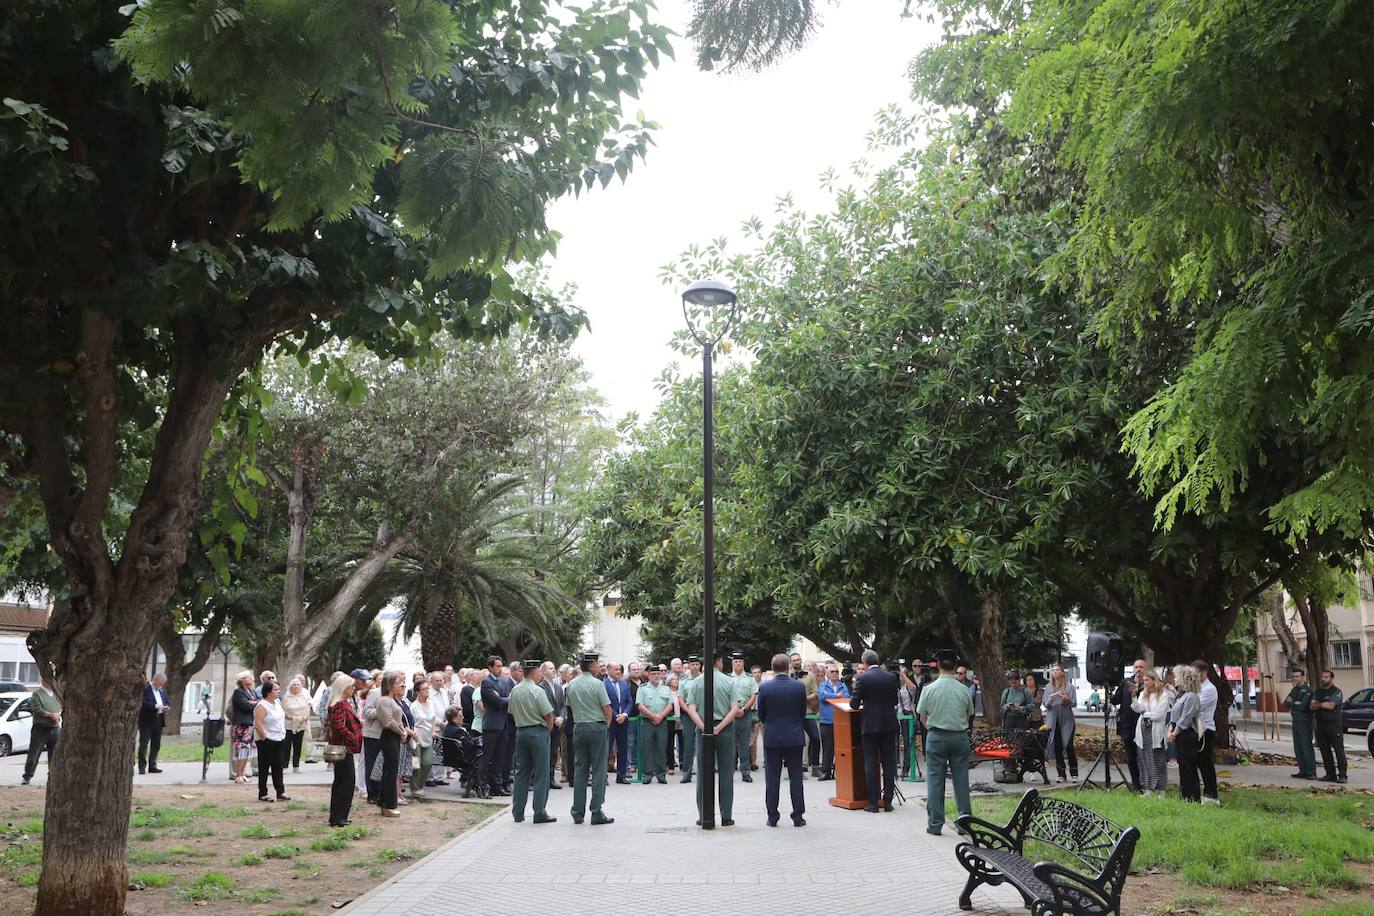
(16, 722)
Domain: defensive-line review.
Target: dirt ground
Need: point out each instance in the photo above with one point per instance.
(1166, 893)
(216, 848)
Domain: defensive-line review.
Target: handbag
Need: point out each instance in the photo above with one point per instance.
(333, 753)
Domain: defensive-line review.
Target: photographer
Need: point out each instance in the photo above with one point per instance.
(1128, 718)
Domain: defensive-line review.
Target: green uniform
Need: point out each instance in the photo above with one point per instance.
(1297, 702)
(1330, 731)
(588, 699)
(685, 691)
(745, 687)
(947, 706)
(653, 739)
(528, 706)
(723, 688)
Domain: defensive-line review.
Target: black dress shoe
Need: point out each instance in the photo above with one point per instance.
(1340, 779)
(772, 822)
(753, 766)
(827, 779)
(544, 819)
(662, 780)
(599, 819)
(154, 769)
(554, 785)
(504, 793)
(283, 798)
(871, 809)
(1327, 778)
(815, 771)
(577, 820)
(887, 806)
(518, 818)
(685, 779)
(727, 822)
(1301, 776)
(747, 778)
(933, 831)
(143, 771)
(798, 822)
(621, 781)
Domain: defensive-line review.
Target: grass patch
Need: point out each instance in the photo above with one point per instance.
(260, 894)
(1260, 837)
(210, 810)
(210, 886)
(390, 854)
(191, 833)
(188, 752)
(150, 879)
(329, 844)
(312, 901)
(145, 836)
(28, 879)
(288, 832)
(256, 832)
(251, 858)
(1343, 909)
(305, 869)
(18, 856)
(178, 853)
(287, 913)
(281, 851)
(159, 816)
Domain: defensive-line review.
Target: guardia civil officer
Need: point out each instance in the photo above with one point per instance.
(1299, 703)
(746, 695)
(655, 703)
(591, 709)
(529, 706)
(689, 728)
(945, 707)
(1326, 703)
(726, 710)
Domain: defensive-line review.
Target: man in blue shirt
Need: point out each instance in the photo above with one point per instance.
(781, 705)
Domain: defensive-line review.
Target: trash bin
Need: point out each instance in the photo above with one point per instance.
(212, 733)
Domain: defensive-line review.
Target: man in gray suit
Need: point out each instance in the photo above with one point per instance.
(553, 687)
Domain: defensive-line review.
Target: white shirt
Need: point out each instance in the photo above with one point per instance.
(1207, 698)
(1154, 708)
(273, 720)
(423, 714)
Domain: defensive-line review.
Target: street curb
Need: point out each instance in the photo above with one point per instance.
(403, 873)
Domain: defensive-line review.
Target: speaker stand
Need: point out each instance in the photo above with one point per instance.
(1104, 760)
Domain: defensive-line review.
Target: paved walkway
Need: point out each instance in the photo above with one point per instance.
(887, 860)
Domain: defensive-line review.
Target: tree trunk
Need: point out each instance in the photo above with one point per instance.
(177, 677)
(436, 636)
(978, 635)
(1293, 653)
(1317, 623)
(90, 779)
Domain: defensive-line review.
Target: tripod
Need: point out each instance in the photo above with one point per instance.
(1105, 759)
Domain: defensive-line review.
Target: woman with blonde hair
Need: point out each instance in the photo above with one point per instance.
(241, 707)
(1185, 731)
(1060, 700)
(1152, 702)
(342, 727)
(296, 704)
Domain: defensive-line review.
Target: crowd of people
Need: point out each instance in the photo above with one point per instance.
(524, 730)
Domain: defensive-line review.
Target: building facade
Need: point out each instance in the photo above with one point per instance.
(17, 620)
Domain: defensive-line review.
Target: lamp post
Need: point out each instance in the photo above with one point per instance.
(708, 306)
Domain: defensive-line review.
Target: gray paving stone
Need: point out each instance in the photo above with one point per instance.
(738, 868)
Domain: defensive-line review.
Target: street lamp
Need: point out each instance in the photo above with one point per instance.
(708, 306)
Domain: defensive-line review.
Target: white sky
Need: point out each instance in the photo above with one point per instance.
(728, 147)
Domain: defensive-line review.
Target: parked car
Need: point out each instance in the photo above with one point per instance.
(13, 687)
(16, 721)
(1358, 710)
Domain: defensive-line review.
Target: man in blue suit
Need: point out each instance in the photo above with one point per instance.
(622, 707)
(782, 710)
(875, 692)
(495, 695)
(152, 716)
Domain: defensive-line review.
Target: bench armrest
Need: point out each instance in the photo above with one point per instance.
(1074, 893)
(986, 835)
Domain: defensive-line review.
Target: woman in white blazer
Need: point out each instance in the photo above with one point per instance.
(1152, 702)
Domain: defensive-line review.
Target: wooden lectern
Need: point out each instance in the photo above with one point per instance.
(851, 789)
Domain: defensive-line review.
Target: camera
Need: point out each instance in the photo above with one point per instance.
(798, 674)
(894, 665)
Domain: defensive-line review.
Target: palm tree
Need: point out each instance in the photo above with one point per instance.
(471, 554)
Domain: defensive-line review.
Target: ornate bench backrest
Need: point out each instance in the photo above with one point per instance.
(1075, 829)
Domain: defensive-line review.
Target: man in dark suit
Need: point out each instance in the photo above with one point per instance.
(781, 707)
(495, 695)
(152, 716)
(553, 689)
(618, 689)
(875, 692)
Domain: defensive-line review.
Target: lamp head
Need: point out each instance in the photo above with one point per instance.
(709, 294)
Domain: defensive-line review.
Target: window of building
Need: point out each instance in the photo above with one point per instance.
(28, 672)
(1345, 653)
(8, 670)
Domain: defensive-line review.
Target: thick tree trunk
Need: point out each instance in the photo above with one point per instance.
(436, 636)
(90, 779)
(978, 635)
(177, 678)
(1317, 624)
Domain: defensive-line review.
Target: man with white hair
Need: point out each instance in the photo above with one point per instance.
(263, 679)
(152, 716)
(553, 689)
